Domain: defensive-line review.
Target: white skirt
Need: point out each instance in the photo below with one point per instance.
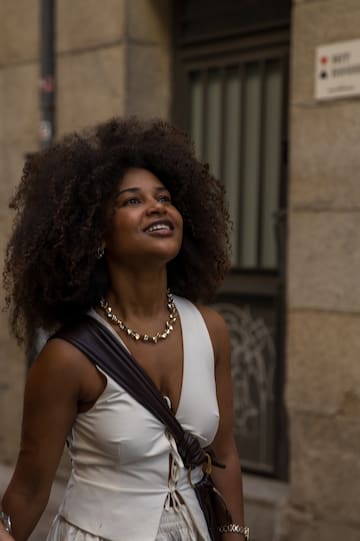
(174, 526)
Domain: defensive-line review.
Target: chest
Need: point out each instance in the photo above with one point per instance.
(163, 362)
(181, 367)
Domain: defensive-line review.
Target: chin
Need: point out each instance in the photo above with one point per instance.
(164, 256)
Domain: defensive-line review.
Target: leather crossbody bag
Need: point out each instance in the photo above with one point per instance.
(102, 348)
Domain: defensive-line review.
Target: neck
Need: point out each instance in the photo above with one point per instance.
(138, 293)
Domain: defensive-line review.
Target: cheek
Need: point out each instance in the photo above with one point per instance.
(123, 222)
(116, 234)
(180, 228)
(179, 220)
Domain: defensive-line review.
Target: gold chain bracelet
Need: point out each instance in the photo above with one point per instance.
(6, 521)
(235, 528)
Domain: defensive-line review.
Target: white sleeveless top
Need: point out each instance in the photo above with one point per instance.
(120, 480)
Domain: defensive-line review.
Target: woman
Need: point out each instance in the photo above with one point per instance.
(120, 219)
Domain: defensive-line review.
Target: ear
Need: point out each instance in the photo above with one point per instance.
(100, 251)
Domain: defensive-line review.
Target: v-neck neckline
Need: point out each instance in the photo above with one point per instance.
(98, 317)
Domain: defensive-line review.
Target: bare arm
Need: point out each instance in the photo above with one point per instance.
(51, 399)
(229, 480)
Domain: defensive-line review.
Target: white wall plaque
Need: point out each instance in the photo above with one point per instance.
(337, 70)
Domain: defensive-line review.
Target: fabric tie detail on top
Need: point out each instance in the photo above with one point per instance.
(172, 500)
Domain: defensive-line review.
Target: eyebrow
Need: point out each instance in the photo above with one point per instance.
(135, 189)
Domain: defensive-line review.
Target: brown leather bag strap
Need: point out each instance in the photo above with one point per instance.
(103, 349)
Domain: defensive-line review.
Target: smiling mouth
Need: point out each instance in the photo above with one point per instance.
(159, 226)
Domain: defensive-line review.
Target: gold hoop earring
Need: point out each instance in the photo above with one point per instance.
(100, 252)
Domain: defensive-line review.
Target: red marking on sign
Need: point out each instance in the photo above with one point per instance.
(324, 60)
(47, 84)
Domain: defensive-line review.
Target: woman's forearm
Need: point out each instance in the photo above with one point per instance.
(24, 507)
(229, 483)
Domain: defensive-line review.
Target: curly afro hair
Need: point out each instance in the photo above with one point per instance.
(52, 275)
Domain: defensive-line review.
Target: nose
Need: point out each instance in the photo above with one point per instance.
(156, 207)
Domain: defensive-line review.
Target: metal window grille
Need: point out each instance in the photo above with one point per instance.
(236, 124)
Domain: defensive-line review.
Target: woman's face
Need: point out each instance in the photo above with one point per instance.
(145, 226)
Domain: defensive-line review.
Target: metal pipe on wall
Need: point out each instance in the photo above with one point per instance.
(47, 72)
(47, 120)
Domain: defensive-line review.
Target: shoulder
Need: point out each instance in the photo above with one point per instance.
(217, 329)
(215, 323)
(212, 318)
(59, 354)
(59, 365)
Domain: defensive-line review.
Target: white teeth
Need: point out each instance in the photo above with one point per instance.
(157, 227)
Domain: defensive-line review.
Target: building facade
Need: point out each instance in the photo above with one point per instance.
(240, 77)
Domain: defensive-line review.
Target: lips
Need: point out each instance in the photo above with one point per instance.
(160, 225)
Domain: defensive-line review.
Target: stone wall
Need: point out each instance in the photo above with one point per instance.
(112, 58)
(323, 342)
(19, 35)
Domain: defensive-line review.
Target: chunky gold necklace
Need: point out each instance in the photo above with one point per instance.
(169, 325)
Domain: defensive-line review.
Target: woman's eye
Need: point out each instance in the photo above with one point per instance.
(165, 198)
(132, 201)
